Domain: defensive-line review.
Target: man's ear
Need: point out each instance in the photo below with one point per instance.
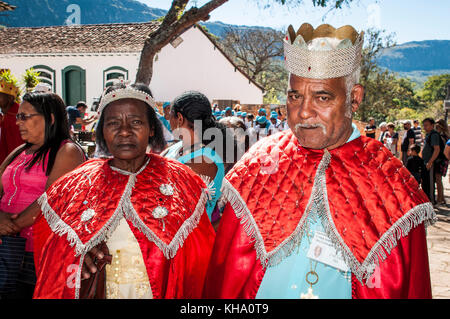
(53, 118)
(357, 96)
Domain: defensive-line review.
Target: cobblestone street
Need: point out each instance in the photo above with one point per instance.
(439, 248)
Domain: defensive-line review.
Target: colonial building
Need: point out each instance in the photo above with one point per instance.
(78, 62)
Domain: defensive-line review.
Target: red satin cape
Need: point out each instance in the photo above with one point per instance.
(176, 254)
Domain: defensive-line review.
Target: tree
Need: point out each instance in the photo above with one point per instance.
(385, 93)
(178, 19)
(259, 52)
(435, 88)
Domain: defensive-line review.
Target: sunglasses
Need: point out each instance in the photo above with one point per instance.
(24, 117)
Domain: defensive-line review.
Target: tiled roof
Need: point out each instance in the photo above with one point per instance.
(95, 38)
(6, 7)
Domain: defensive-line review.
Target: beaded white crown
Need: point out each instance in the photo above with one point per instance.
(126, 93)
(323, 53)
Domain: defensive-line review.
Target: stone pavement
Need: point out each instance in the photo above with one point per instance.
(438, 237)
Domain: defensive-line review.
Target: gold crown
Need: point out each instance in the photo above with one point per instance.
(324, 52)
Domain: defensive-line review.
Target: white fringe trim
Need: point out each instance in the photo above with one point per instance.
(183, 232)
(423, 213)
(59, 227)
(124, 209)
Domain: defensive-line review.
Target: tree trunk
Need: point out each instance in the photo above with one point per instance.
(171, 27)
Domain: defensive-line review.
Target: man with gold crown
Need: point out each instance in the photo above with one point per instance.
(319, 211)
(9, 95)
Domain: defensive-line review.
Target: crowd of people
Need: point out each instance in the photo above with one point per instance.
(202, 203)
(425, 155)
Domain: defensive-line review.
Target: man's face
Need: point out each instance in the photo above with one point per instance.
(372, 122)
(166, 111)
(5, 100)
(82, 109)
(407, 126)
(316, 111)
(427, 126)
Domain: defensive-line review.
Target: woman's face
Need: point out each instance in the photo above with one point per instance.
(32, 126)
(126, 129)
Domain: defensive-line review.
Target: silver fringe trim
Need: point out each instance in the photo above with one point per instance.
(183, 232)
(423, 213)
(59, 227)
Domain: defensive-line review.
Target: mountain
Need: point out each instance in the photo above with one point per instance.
(416, 60)
(38, 13)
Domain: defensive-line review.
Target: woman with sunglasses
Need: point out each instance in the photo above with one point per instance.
(48, 153)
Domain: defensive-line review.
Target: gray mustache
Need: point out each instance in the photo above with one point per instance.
(318, 125)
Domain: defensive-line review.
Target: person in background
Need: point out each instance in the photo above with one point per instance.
(10, 138)
(228, 111)
(76, 116)
(441, 163)
(164, 119)
(391, 139)
(383, 129)
(261, 127)
(244, 117)
(250, 121)
(262, 112)
(430, 153)
(415, 163)
(371, 129)
(205, 154)
(166, 110)
(418, 137)
(275, 123)
(241, 136)
(447, 154)
(48, 154)
(408, 139)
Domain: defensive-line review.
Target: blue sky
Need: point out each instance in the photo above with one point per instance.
(410, 20)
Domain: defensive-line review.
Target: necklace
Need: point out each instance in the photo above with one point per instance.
(312, 277)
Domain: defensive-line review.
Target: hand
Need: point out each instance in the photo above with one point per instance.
(89, 264)
(7, 225)
(429, 164)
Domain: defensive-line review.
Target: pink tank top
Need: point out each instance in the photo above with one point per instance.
(21, 187)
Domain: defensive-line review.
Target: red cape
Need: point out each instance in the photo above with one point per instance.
(176, 248)
(372, 209)
(10, 136)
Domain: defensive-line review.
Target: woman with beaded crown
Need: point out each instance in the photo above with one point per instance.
(132, 207)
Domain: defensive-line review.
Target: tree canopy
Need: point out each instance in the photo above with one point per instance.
(179, 19)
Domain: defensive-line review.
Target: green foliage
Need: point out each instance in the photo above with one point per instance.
(435, 88)
(30, 79)
(387, 96)
(8, 77)
(213, 36)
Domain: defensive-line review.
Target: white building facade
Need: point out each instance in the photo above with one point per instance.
(78, 62)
